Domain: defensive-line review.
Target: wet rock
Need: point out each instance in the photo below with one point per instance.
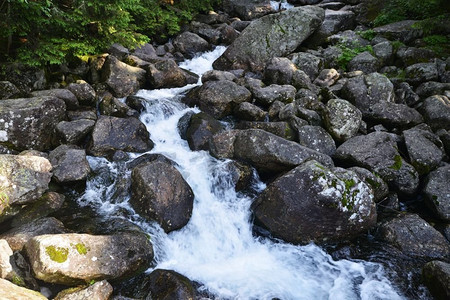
(421, 72)
(436, 275)
(274, 92)
(436, 112)
(190, 44)
(17, 237)
(111, 134)
(167, 284)
(281, 129)
(72, 259)
(14, 292)
(249, 112)
(183, 124)
(393, 115)
(135, 102)
(367, 90)
(167, 74)
(84, 92)
(271, 36)
(270, 153)
(69, 164)
(8, 90)
(111, 106)
(201, 128)
(403, 31)
(437, 192)
(215, 75)
(47, 204)
(342, 119)
(67, 96)
(101, 290)
(219, 98)
(364, 62)
(247, 9)
(414, 237)
(308, 63)
(379, 187)
(316, 138)
(23, 179)
(74, 132)
(122, 79)
(315, 203)
(425, 149)
(378, 152)
(221, 144)
(159, 193)
(29, 123)
(241, 175)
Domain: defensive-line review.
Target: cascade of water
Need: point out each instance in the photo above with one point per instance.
(217, 248)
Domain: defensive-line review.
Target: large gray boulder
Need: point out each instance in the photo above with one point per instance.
(167, 74)
(67, 96)
(23, 179)
(414, 237)
(29, 123)
(316, 138)
(190, 44)
(201, 128)
(403, 31)
(167, 284)
(160, 193)
(271, 36)
(316, 203)
(378, 152)
(122, 79)
(74, 132)
(111, 134)
(392, 114)
(436, 112)
(218, 98)
(342, 119)
(437, 192)
(69, 164)
(73, 259)
(84, 92)
(265, 96)
(267, 152)
(281, 129)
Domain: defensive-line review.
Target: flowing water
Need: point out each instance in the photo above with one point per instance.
(218, 248)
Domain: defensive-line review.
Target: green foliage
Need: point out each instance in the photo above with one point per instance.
(40, 32)
(348, 53)
(367, 34)
(398, 10)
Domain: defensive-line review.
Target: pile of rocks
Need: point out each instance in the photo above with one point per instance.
(339, 145)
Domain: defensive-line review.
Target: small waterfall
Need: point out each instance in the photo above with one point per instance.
(217, 247)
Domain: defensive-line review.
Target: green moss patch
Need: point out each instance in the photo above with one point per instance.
(58, 254)
(397, 163)
(81, 248)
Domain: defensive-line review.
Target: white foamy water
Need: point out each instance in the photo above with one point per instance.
(217, 248)
(281, 4)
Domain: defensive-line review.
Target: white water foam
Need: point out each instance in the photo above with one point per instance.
(217, 247)
(281, 5)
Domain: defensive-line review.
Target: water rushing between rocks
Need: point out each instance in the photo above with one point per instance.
(218, 248)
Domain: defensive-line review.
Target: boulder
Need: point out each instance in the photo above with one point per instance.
(23, 179)
(167, 74)
(249, 112)
(425, 149)
(82, 113)
(74, 132)
(379, 187)
(308, 63)
(201, 128)
(406, 94)
(221, 145)
(219, 98)
(100, 290)
(24, 77)
(240, 175)
(265, 96)
(384, 52)
(269, 153)
(437, 192)
(316, 203)
(67, 96)
(17, 237)
(111, 106)
(29, 123)
(215, 75)
(122, 79)
(366, 90)
(160, 193)
(167, 284)
(111, 134)
(14, 292)
(135, 102)
(271, 36)
(431, 88)
(421, 72)
(364, 62)
(327, 77)
(8, 90)
(436, 275)
(279, 70)
(6, 269)
(316, 138)
(391, 115)
(407, 56)
(281, 129)
(69, 164)
(119, 51)
(378, 152)
(414, 237)
(190, 44)
(436, 112)
(342, 119)
(403, 31)
(84, 92)
(247, 9)
(73, 259)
